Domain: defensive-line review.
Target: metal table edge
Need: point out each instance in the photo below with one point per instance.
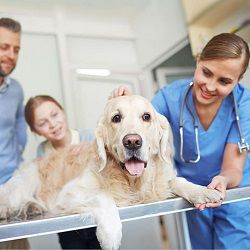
(43, 225)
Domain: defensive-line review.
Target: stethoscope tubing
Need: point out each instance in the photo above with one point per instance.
(195, 127)
(243, 145)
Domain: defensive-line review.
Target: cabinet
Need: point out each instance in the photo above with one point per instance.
(210, 17)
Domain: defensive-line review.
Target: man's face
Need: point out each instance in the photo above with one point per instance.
(9, 50)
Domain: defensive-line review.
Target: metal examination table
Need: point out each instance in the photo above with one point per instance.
(42, 225)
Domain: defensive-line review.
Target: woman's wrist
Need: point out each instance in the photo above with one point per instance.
(224, 179)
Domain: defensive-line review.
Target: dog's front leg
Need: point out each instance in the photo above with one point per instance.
(194, 193)
(77, 197)
(109, 227)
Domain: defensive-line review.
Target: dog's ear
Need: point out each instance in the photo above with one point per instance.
(166, 141)
(100, 133)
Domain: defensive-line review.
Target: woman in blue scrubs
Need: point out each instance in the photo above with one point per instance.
(220, 67)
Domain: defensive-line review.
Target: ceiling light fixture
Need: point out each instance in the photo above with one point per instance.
(93, 72)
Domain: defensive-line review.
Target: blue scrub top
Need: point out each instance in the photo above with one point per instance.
(212, 142)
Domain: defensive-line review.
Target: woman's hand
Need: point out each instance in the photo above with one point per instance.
(220, 184)
(122, 90)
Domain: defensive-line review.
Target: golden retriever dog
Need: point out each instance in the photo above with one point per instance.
(130, 162)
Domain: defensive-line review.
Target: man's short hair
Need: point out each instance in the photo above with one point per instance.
(10, 24)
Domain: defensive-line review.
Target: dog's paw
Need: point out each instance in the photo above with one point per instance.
(33, 209)
(109, 236)
(204, 195)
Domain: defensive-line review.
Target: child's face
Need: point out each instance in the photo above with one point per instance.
(50, 121)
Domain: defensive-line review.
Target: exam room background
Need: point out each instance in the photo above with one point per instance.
(144, 43)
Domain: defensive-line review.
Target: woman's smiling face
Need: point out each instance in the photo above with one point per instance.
(215, 79)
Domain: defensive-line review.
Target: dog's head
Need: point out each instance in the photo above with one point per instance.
(132, 132)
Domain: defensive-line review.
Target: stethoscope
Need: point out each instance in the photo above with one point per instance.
(242, 145)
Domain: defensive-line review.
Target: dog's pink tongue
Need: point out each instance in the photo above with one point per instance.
(134, 167)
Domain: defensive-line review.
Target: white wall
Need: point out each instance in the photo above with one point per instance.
(112, 53)
(158, 28)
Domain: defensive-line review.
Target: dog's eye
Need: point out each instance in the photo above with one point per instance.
(116, 118)
(146, 117)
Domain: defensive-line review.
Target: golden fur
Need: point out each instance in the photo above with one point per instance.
(130, 162)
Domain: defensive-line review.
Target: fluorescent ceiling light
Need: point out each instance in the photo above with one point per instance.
(93, 72)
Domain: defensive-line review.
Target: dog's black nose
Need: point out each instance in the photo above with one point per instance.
(132, 141)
